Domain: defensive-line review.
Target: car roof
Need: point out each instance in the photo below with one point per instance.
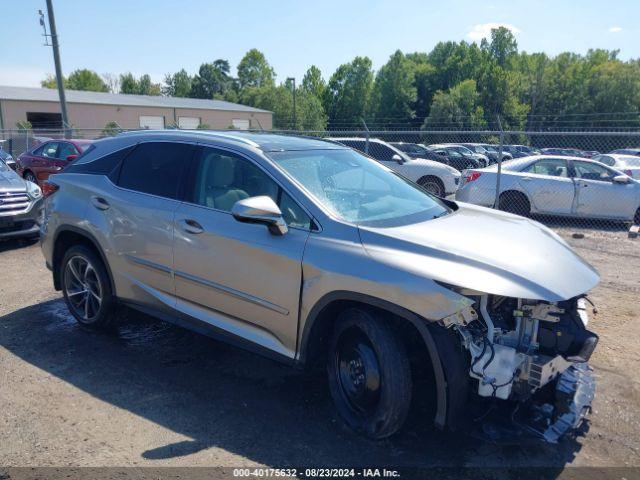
(268, 142)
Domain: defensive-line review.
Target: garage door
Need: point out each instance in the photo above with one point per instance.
(241, 124)
(151, 122)
(188, 123)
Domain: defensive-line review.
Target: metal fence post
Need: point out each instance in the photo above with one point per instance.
(366, 132)
(496, 200)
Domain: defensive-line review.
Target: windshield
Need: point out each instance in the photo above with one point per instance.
(463, 150)
(356, 188)
(491, 149)
(409, 148)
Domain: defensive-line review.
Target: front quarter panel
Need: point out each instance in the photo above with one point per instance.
(336, 261)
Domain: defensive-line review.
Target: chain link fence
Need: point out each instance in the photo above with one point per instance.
(578, 185)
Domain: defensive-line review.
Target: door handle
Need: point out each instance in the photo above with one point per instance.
(100, 203)
(191, 226)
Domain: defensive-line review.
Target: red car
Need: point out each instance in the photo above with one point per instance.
(48, 158)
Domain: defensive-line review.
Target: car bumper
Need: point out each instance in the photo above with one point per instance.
(477, 195)
(546, 416)
(22, 225)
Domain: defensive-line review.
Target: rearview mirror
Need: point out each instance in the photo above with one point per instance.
(261, 210)
(398, 159)
(621, 179)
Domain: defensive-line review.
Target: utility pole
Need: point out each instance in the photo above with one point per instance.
(293, 80)
(56, 59)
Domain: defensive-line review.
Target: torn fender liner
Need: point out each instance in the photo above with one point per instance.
(575, 390)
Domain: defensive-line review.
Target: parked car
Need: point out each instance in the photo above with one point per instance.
(563, 186)
(627, 164)
(314, 254)
(20, 205)
(520, 151)
(416, 150)
(435, 177)
(7, 159)
(456, 159)
(565, 152)
(483, 160)
(591, 153)
(489, 151)
(627, 151)
(49, 158)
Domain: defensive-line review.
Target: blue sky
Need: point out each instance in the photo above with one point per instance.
(161, 36)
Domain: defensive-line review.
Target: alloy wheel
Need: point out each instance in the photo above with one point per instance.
(83, 288)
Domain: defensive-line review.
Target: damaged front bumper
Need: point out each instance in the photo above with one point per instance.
(530, 362)
(548, 419)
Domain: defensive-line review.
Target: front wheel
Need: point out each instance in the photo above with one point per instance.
(433, 185)
(30, 177)
(369, 374)
(86, 288)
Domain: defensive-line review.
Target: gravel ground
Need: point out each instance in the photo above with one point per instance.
(151, 394)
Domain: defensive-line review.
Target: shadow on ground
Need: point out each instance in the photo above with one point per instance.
(219, 396)
(15, 244)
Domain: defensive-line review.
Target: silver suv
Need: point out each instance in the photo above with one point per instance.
(314, 254)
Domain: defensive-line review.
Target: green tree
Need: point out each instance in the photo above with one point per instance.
(24, 125)
(129, 84)
(458, 108)
(348, 93)
(394, 91)
(81, 79)
(212, 81)
(178, 84)
(111, 129)
(255, 71)
(313, 83)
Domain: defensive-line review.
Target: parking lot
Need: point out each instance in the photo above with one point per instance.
(154, 394)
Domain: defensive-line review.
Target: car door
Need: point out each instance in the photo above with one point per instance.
(237, 276)
(549, 186)
(140, 212)
(43, 159)
(599, 196)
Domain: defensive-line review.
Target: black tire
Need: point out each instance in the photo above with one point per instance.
(636, 217)
(30, 177)
(98, 309)
(514, 202)
(369, 374)
(433, 185)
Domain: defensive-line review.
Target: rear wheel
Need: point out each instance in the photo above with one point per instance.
(86, 288)
(636, 217)
(514, 202)
(433, 185)
(30, 177)
(369, 374)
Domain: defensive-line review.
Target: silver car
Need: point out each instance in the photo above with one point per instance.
(562, 186)
(627, 164)
(20, 205)
(314, 254)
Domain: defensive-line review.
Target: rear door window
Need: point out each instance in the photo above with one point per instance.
(553, 167)
(156, 168)
(67, 149)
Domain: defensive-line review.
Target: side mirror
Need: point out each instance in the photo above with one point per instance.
(71, 157)
(397, 158)
(261, 210)
(621, 179)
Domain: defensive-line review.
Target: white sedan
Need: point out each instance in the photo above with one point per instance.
(628, 164)
(549, 185)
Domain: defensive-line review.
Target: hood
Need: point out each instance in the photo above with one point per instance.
(485, 250)
(437, 165)
(10, 181)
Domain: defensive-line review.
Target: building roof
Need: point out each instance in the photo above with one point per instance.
(100, 98)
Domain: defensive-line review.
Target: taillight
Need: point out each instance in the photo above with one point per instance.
(49, 188)
(471, 177)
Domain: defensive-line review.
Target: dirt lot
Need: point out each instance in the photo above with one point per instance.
(154, 394)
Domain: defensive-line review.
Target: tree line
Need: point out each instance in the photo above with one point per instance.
(457, 85)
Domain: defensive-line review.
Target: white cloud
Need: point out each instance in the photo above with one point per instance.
(483, 30)
(615, 29)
